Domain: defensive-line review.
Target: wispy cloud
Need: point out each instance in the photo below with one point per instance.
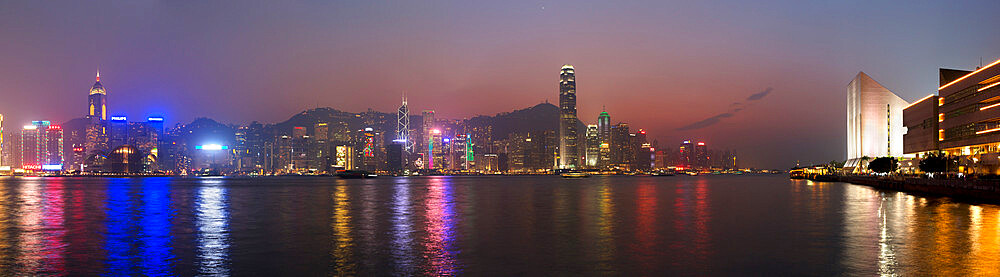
(734, 108)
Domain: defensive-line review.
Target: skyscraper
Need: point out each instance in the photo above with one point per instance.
(403, 128)
(41, 146)
(569, 157)
(604, 138)
(119, 131)
(96, 131)
(593, 146)
(621, 150)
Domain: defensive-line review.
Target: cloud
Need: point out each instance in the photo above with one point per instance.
(759, 95)
(705, 123)
(734, 108)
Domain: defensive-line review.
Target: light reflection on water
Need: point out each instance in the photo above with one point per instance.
(705, 225)
(213, 228)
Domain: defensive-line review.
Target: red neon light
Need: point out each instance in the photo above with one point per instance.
(55, 127)
(701, 143)
(32, 167)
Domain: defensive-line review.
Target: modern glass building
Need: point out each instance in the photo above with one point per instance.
(569, 156)
(874, 121)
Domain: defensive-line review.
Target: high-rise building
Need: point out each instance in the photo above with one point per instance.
(42, 146)
(403, 129)
(569, 156)
(874, 121)
(686, 157)
(593, 146)
(641, 149)
(96, 130)
(119, 131)
(604, 136)
(621, 152)
(701, 157)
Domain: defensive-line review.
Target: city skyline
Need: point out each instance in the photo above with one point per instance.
(659, 79)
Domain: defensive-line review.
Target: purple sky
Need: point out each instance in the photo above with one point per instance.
(659, 65)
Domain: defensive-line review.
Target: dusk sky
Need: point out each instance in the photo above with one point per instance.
(674, 68)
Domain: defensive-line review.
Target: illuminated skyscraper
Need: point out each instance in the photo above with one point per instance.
(874, 121)
(96, 131)
(119, 131)
(41, 146)
(604, 138)
(593, 146)
(403, 128)
(569, 157)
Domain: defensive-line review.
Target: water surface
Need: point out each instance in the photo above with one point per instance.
(681, 225)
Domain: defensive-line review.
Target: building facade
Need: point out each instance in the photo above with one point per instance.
(874, 121)
(569, 156)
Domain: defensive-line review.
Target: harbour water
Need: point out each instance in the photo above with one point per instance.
(530, 225)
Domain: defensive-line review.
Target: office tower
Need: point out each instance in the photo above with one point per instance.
(604, 136)
(321, 131)
(119, 131)
(621, 152)
(686, 156)
(569, 157)
(403, 129)
(41, 146)
(394, 156)
(434, 149)
(96, 130)
(368, 151)
(143, 137)
(874, 121)
(640, 148)
(97, 100)
(345, 157)
(298, 132)
(701, 155)
(156, 124)
(593, 146)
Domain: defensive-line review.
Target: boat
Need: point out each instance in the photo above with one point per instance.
(355, 174)
(661, 173)
(573, 175)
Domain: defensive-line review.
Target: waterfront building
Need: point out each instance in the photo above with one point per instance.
(118, 135)
(962, 121)
(569, 157)
(604, 137)
(622, 154)
(686, 157)
(874, 121)
(127, 159)
(593, 146)
(403, 129)
(42, 146)
(701, 155)
(143, 136)
(643, 159)
(96, 130)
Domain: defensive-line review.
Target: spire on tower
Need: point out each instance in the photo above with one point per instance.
(98, 75)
